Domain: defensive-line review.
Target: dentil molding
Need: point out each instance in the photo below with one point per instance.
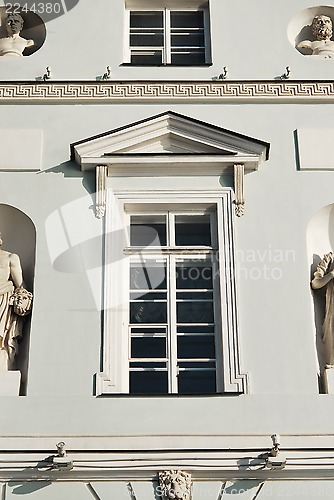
(117, 91)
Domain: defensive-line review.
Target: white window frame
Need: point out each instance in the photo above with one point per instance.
(114, 376)
(167, 8)
(171, 254)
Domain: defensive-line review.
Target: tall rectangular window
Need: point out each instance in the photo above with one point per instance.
(161, 37)
(173, 303)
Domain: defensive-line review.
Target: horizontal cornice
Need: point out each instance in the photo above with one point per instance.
(263, 91)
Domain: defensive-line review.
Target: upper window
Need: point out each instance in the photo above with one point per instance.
(168, 36)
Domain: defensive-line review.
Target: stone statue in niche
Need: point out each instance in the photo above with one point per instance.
(14, 44)
(174, 484)
(15, 301)
(323, 276)
(322, 46)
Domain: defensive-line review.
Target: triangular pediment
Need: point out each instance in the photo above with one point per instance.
(169, 136)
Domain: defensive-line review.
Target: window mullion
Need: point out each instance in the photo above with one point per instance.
(172, 327)
(167, 34)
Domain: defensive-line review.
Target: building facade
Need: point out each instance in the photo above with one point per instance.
(166, 182)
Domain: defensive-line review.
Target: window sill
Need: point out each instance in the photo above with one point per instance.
(204, 65)
(198, 395)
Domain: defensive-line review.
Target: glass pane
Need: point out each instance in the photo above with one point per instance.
(152, 330)
(192, 230)
(195, 346)
(186, 19)
(148, 312)
(147, 364)
(147, 39)
(193, 39)
(148, 275)
(148, 382)
(204, 365)
(193, 295)
(194, 312)
(190, 274)
(188, 58)
(197, 382)
(196, 329)
(148, 230)
(147, 58)
(146, 19)
(153, 296)
(148, 347)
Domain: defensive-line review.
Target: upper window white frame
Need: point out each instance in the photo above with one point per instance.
(162, 50)
(114, 378)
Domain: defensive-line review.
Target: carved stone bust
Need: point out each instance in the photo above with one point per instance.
(14, 44)
(322, 30)
(175, 485)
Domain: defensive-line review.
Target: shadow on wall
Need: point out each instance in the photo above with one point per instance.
(19, 236)
(320, 241)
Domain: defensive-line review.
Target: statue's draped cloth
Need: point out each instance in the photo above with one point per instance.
(9, 325)
(324, 266)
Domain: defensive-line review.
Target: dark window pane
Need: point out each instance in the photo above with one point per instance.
(153, 296)
(146, 19)
(148, 347)
(191, 346)
(192, 230)
(195, 329)
(148, 312)
(148, 231)
(148, 39)
(197, 382)
(191, 275)
(187, 19)
(151, 330)
(147, 364)
(193, 295)
(197, 364)
(148, 275)
(188, 39)
(188, 58)
(147, 58)
(149, 382)
(194, 312)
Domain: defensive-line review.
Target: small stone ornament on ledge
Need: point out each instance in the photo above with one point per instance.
(322, 46)
(175, 485)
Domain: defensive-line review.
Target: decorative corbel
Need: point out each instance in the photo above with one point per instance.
(239, 174)
(100, 203)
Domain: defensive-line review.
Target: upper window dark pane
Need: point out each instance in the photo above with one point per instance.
(192, 230)
(187, 19)
(148, 230)
(146, 20)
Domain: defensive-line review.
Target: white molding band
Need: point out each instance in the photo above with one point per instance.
(254, 91)
(239, 175)
(101, 175)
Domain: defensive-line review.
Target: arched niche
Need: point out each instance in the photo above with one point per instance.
(300, 29)
(19, 236)
(33, 28)
(320, 241)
